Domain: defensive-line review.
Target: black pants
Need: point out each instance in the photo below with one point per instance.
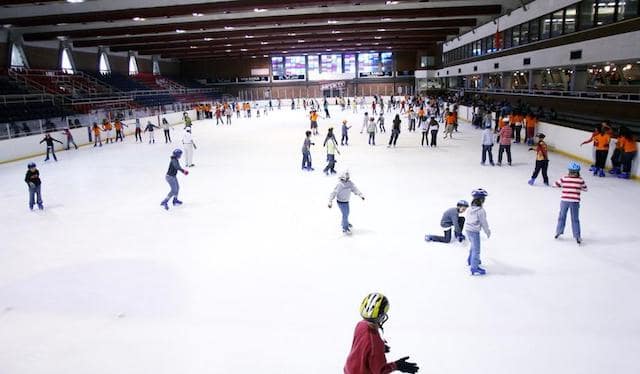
(434, 134)
(50, 149)
(616, 158)
(228, 119)
(447, 233)
(394, 137)
(138, 134)
(487, 150)
(425, 138)
(627, 160)
(167, 136)
(372, 138)
(344, 140)
(601, 158)
(118, 135)
(412, 124)
(541, 165)
(501, 150)
(331, 163)
(518, 130)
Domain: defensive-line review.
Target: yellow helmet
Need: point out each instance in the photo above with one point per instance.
(374, 308)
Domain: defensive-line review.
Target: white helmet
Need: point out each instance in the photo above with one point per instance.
(344, 176)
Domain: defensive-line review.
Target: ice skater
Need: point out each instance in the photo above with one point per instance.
(629, 151)
(119, 133)
(342, 194)
(187, 120)
(449, 125)
(506, 134)
(542, 161)
(96, 134)
(601, 142)
(487, 145)
(107, 127)
(50, 147)
(313, 118)
(172, 179)
(345, 133)
(476, 221)
(306, 151)
(67, 133)
(371, 130)
(166, 127)
(149, 128)
(32, 178)
(434, 126)
(572, 186)
(451, 218)
(381, 122)
(138, 131)
(395, 131)
(189, 145)
(332, 148)
(365, 122)
(424, 129)
(368, 349)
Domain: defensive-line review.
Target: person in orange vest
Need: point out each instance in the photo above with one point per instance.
(450, 123)
(530, 122)
(616, 156)
(542, 161)
(96, 134)
(518, 127)
(108, 128)
(630, 150)
(313, 117)
(118, 126)
(601, 142)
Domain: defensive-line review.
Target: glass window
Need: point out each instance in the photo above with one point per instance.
(570, 15)
(17, 58)
(545, 27)
(491, 43)
(476, 48)
(556, 23)
(515, 36)
(524, 33)
(314, 64)
(277, 66)
(534, 30)
(67, 66)
(349, 63)
(156, 67)
(133, 66)
(627, 9)
(587, 12)
(606, 12)
(104, 67)
(387, 61)
(331, 64)
(294, 65)
(368, 62)
(507, 39)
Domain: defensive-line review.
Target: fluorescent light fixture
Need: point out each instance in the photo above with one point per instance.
(138, 19)
(208, 39)
(228, 27)
(180, 31)
(243, 49)
(265, 55)
(391, 2)
(228, 45)
(382, 29)
(332, 21)
(197, 14)
(377, 37)
(264, 43)
(259, 10)
(248, 36)
(336, 31)
(385, 19)
(193, 47)
(227, 50)
(62, 24)
(328, 49)
(291, 34)
(253, 56)
(285, 52)
(340, 39)
(75, 1)
(300, 41)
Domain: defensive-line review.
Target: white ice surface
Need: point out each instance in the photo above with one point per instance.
(253, 275)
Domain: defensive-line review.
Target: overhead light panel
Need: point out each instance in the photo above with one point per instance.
(248, 36)
(243, 49)
(332, 21)
(259, 10)
(391, 2)
(180, 31)
(228, 27)
(139, 19)
(197, 14)
(227, 50)
(75, 1)
(264, 43)
(291, 34)
(208, 39)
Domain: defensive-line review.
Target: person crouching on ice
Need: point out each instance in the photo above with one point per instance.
(451, 218)
(368, 349)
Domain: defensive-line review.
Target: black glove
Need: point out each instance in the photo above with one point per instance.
(406, 367)
(387, 349)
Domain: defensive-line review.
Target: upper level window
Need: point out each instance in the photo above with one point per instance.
(546, 27)
(17, 57)
(606, 12)
(570, 15)
(156, 67)
(627, 9)
(587, 14)
(65, 62)
(133, 66)
(534, 30)
(104, 67)
(556, 23)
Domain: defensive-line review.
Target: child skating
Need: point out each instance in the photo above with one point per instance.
(138, 131)
(306, 151)
(97, 137)
(172, 179)
(345, 133)
(50, 147)
(332, 148)
(476, 221)
(149, 129)
(342, 194)
(542, 161)
(368, 349)
(381, 122)
(487, 145)
(451, 218)
(572, 186)
(371, 130)
(189, 145)
(32, 178)
(67, 133)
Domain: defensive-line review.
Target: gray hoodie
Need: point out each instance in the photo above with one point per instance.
(450, 218)
(487, 137)
(476, 220)
(343, 190)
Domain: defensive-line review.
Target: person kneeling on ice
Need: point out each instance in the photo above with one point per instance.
(32, 178)
(368, 349)
(476, 221)
(172, 179)
(451, 218)
(572, 185)
(342, 194)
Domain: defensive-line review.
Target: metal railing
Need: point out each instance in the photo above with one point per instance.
(587, 95)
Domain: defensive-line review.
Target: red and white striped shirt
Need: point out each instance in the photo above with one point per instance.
(571, 188)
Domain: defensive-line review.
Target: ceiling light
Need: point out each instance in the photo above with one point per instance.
(391, 2)
(228, 45)
(227, 50)
(193, 47)
(265, 55)
(253, 56)
(385, 19)
(340, 39)
(285, 52)
(332, 21)
(377, 37)
(75, 1)
(382, 29)
(228, 27)
(328, 49)
(291, 34)
(359, 44)
(138, 19)
(248, 36)
(376, 43)
(208, 39)
(336, 32)
(61, 37)
(61, 24)
(264, 43)
(197, 14)
(243, 49)
(388, 47)
(300, 41)
(259, 10)
(7, 25)
(180, 31)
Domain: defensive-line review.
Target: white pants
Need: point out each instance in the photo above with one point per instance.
(188, 153)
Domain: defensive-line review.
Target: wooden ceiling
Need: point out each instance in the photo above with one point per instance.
(194, 29)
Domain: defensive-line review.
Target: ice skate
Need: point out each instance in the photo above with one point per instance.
(165, 205)
(427, 238)
(624, 176)
(531, 182)
(478, 271)
(40, 206)
(176, 202)
(601, 173)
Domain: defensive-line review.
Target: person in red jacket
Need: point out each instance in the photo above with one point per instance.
(368, 350)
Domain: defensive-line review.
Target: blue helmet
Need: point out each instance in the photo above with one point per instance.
(177, 153)
(574, 166)
(463, 203)
(31, 165)
(479, 193)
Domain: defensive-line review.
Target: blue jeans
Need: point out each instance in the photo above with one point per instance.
(34, 196)
(344, 208)
(175, 187)
(306, 160)
(474, 250)
(575, 220)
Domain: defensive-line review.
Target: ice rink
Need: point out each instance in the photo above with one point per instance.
(253, 274)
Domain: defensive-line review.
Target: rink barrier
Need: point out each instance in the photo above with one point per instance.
(26, 147)
(566, 142)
